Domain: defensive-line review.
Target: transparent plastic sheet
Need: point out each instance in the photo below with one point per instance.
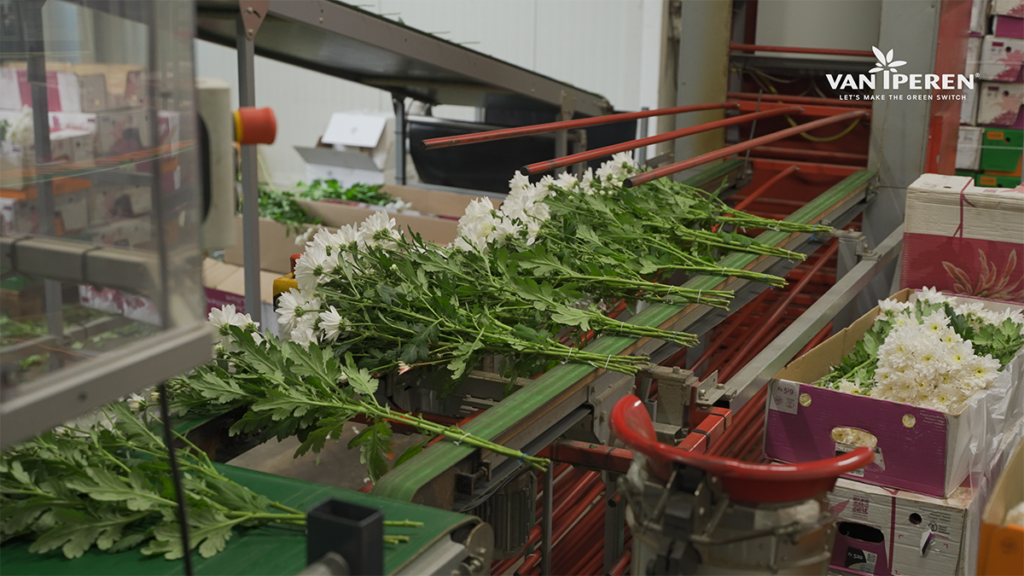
(991, 425)
(982, 485)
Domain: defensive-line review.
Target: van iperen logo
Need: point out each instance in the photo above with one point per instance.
(894, 80)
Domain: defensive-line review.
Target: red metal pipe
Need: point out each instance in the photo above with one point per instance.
(755, 348)
(740, 420)
(642, 178)
(825, 155)
(764, 187)
(768, 324)
(747, 310)
(492, 135)
(806, 168)
(560, 531)
(809, 110)
(585, 535)
(592, 455)
(827, 51)
(549, 165)
(814, 101)
(592, 517)
(746, 438)
(620, 567)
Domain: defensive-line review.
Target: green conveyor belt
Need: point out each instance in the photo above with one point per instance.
(403, 483)
(268, 550)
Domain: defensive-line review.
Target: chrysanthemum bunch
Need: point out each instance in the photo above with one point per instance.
(935, 352)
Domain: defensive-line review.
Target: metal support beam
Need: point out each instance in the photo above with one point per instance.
(250, 185)
(32, 20)
(546, 521)
(776, 355)
(703, 73)
(398, 103)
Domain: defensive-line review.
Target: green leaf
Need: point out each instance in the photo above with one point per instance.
(359, 378)
(313, 362)
(109, 487)
(409, 453)
(572, 317)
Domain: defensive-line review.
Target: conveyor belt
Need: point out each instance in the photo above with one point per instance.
(429, 477)
(269, 550)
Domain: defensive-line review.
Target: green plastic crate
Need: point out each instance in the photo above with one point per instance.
(990, 181)
(1001, 149)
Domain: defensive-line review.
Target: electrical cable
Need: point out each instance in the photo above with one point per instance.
(766, 84)
(179, 490)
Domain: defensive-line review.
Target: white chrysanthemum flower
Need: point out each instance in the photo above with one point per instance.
(135, 401)
(625, 164)
(303, 238)
(519, 181)
(305, 333)
(566, 181)
(332, 324)
(313, 265)
(378, 230)
(586, 184)
(292, 306)
(932, 296)
(226, 316)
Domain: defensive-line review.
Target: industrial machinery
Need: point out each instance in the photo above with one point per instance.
(689, 417)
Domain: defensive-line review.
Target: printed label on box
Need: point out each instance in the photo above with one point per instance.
(784, 397)
(860, 560)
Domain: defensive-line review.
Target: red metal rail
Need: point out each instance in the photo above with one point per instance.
(816, 155)
(764, 187)
(785, 49)
(638, 179)
(810, 110)
(549, 165)
(492, 135)
(799, 99)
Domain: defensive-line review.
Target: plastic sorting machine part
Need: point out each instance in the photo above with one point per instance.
(549, 165)
(352, 531)
(643, 178)
(505, 133)
(744, 482)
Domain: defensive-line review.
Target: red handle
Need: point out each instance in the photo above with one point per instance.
(743, 481)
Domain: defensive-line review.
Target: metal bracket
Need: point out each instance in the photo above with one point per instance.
(253, 12)
(858, 238)
(711, 390)
(466, 483)
(568, 105)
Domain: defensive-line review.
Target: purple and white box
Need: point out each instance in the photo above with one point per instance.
(918, 449)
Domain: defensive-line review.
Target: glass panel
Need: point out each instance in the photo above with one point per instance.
(110, 171)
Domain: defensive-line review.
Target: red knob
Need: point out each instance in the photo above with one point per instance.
(255, 126)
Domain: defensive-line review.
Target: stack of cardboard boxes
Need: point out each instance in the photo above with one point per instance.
(992, 118)
(98, 169)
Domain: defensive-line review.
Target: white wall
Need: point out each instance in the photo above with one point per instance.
(606, 46)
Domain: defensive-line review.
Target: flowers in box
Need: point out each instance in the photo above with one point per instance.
(934, 353)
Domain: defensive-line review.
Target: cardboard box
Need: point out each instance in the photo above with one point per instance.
(881, 532)
(973, 59)
(979, 15)
(1008, 26)
(996, 181)
(969, 107)
(355, 149)
(964, 238)
(918, 449)
(225, 284)
(1002, 545)
(437, 221)
(122, 131)
(1001, 58)
(888, 532)
(968, 148)
(1000, 103)
(1008, 7)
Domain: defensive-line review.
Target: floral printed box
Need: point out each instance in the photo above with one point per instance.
(964, 239)
(1000, 104)
(917, 449)
(1001, 58)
